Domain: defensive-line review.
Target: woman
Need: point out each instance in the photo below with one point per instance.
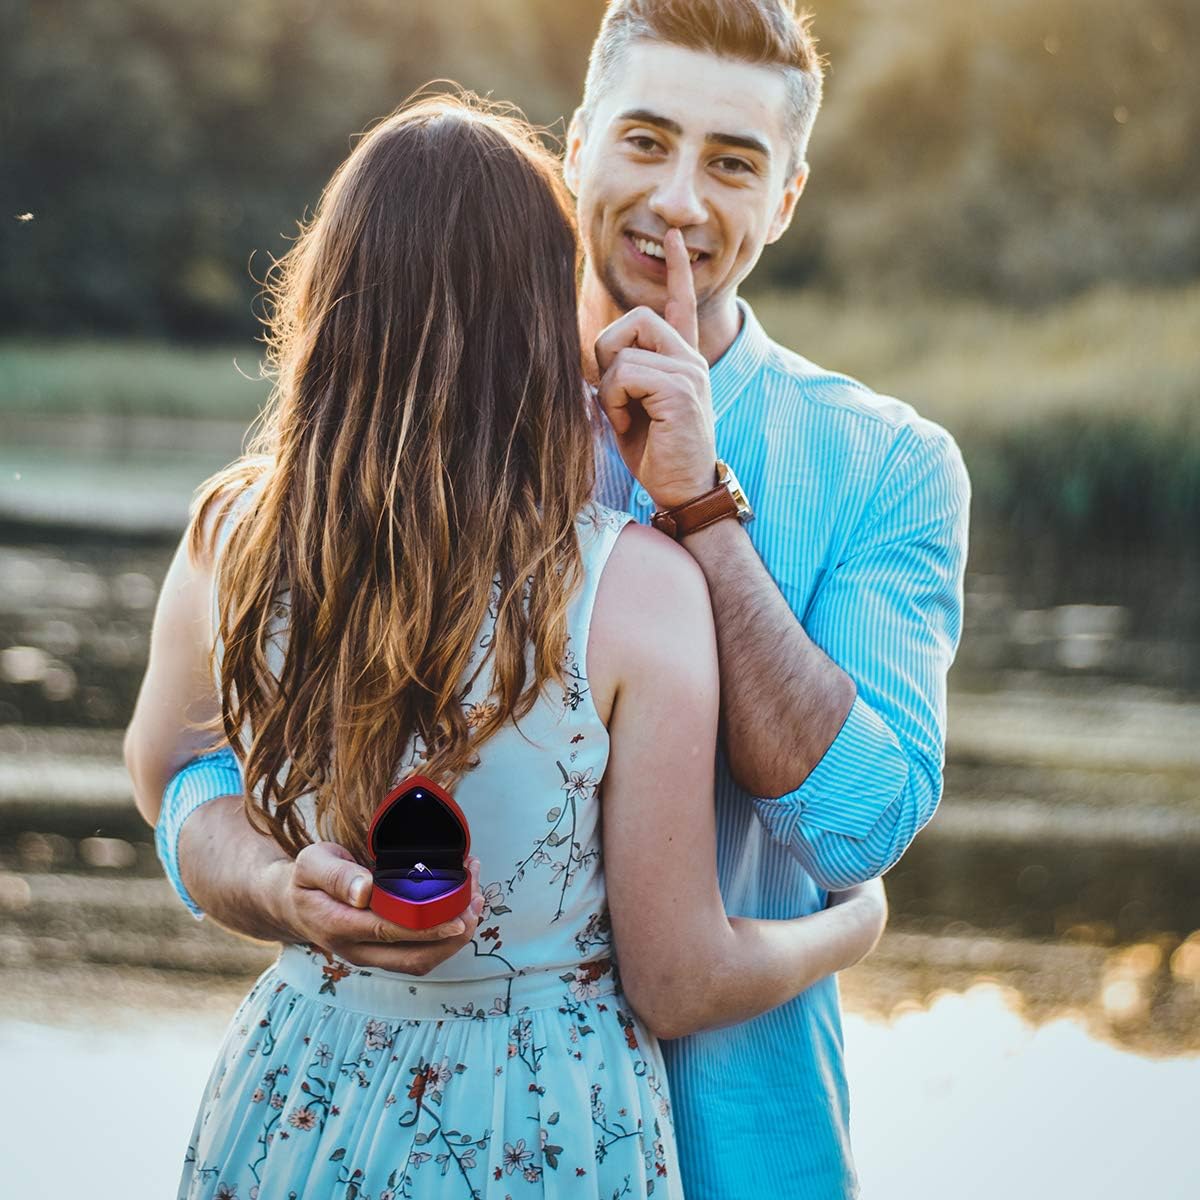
(410, 574)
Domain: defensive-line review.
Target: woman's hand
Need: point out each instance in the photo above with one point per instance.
(322, 897)
(867, 902)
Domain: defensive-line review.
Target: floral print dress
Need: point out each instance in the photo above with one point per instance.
(516, 1068)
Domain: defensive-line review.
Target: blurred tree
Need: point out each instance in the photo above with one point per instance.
(1020, 151)
(1023, 150)
(167, 151)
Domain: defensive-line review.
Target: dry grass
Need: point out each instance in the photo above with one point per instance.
(1082, 419)
(127, 377)
(975, 368)
(979, 370)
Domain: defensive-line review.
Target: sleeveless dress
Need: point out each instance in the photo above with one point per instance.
(514, 1069)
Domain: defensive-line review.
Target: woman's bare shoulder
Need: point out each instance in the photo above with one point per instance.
(649, 565)
(651, 605)
(221, 501)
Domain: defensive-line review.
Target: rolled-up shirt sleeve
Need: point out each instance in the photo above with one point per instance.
(201, 780)
(889, 613)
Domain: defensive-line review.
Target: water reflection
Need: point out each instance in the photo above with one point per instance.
(74, 629)
(1056, 611)
(1057, 607)
(968, 1097)
(1044, 951)
(1143, 998)
(962, 1087)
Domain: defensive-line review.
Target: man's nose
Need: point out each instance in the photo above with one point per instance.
(676, 202)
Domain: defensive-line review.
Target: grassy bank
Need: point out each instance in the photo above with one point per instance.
(129, 378)
(1082, 419)
(1109, 354)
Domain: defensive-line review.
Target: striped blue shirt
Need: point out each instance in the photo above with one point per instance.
(861, 519)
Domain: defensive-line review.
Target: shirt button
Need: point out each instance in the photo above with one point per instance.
(642, 497)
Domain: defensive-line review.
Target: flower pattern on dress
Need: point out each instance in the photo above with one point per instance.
(334, 970)
(596, 933)
(378, 1035)
(516, 1156)
(321, 1092)
(493, 902)
(302, 1118)
(479, 712)
(580, 787)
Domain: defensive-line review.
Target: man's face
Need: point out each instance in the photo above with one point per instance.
(687, 140)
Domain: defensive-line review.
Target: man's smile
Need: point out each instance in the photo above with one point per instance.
(651, 251)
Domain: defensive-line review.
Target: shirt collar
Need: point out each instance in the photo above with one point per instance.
(747, 353)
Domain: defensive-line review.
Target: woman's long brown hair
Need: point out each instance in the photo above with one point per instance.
(424, 455)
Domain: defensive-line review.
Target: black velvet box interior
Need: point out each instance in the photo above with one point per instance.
(418, 827)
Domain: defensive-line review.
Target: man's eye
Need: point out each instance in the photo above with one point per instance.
(734, 165)
(646, 145)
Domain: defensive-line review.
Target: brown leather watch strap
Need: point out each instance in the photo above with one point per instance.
(696, 514)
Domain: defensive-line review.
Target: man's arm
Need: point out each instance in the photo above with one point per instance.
(231, 871)
(220, 864)
(200, 783)
(865, 769)
(783, 699)
(242, 876)
(838, 724)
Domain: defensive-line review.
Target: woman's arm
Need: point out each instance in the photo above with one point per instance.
(177, 707)
(686, 965)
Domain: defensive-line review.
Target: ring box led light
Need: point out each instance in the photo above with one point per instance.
(419, 841)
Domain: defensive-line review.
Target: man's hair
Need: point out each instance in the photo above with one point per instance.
(762, 32)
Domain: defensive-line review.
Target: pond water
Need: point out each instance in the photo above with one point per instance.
(1072, 795)
(79, 606)
(963, 1098)
(1029, 1027)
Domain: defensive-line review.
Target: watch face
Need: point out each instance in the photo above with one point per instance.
(727, 477)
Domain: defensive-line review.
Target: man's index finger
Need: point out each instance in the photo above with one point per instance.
(681, 290)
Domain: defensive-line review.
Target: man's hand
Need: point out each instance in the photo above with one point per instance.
(323, 895)
(654, 389)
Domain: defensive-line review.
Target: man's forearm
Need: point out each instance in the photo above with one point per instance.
(783, 700)
(232, 870)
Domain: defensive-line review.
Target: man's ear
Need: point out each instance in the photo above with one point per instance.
(576, 132)
(787, 204)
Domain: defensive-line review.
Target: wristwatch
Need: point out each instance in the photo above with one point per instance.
(727, 499)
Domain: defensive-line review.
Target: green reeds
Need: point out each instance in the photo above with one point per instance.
(1081, 420)
(129, 378)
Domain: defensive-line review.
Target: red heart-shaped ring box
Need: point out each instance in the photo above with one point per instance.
(419, 840)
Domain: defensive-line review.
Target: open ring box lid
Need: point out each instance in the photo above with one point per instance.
(419, 841)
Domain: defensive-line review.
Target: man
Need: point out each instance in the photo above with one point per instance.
(837, 606)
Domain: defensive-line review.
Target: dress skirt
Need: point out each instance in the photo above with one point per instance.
(335, 1081)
